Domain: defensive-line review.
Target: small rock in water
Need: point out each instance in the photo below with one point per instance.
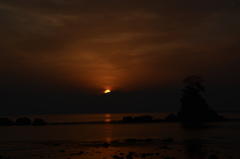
(165, 147)
(171, 117)
(116, 156)
(168, 140)
(131, 140)
(106, 145)
(23, 121)
(39, 122)
(57, 144)
(144, 155)
(6, 122)
(81, 152)
(212, 157)
(130, 155)
(148, 140)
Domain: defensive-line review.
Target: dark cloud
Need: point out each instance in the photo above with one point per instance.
(125, 45)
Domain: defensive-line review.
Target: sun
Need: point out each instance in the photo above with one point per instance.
(107, 91)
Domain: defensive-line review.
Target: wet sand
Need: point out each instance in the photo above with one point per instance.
(128, 149)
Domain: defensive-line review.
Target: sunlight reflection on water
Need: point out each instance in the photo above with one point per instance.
(107, 118)
(193, 140)
(110, 132)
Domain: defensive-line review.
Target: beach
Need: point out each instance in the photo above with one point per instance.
(188, 149)
(133, 140)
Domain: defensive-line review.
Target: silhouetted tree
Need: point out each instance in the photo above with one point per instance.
(193, 85)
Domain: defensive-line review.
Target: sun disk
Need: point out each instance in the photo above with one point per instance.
(107, 91)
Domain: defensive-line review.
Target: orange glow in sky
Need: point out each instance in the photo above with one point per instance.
(53, 48)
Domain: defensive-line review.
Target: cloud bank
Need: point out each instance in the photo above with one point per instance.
(117, 44)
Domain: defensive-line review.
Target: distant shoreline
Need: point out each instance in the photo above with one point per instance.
(140, 120)
(121, 122)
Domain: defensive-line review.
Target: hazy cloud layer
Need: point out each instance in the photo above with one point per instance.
(118, 44)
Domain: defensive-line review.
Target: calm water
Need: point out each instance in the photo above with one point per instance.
(110, 132)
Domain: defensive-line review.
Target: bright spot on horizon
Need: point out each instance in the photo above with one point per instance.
(107, 116)
(107, 91)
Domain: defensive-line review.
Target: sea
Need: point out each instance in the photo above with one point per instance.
(93, 130)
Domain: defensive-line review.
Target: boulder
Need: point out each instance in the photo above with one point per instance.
(39, 122)
(127, 119)
(131, 140)
(6, 122)
(167, 140)
(106, 145)
(148, 140)
(171, 117)
(145, 118)
(23, 121)
(212, 157)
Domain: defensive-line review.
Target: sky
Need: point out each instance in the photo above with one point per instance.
(59, 56)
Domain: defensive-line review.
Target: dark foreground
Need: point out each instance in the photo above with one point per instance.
(212, 148)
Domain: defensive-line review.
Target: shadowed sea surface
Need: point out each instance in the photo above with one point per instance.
(191, 140)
